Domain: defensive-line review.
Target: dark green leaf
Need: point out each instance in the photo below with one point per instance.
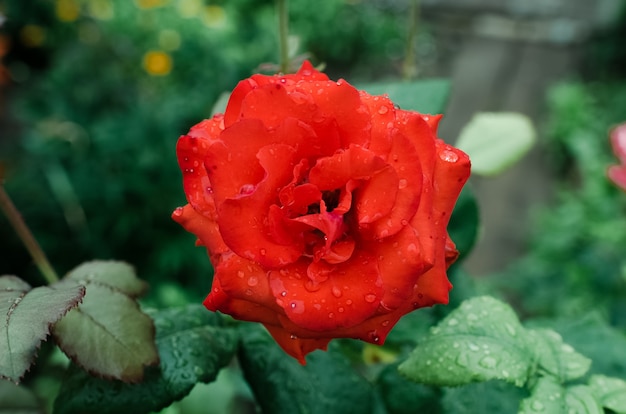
(428, 96)
(27, 317)
(108, 335)
(484, 397)
(463, 226)
(610, 392)
(15, 399)
(193, 347)
(116, 275)
(479, 341)
(557, 358)
(325, 385)
(405, 397)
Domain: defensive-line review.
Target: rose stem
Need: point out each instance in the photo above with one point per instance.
(283, 33)
(409, 67)
(26, 236)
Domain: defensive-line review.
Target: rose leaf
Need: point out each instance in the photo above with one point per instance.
(557, 358)
(481, 340)
(495, 141)
(28, 316)
(18, 399)
(550, 397)
(610, 392)
(483, 397)
(116, 275)
(426, 96)
(401, 396)
(193, 347)
(325, 385)
(108, 335)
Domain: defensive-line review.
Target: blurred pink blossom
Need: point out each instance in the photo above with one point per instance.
(617, 173)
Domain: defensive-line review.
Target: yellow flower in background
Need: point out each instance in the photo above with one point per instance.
(32, 35)
(67, 10)
(214, 16)
(189, 8)
(148, 4)
(157, 63)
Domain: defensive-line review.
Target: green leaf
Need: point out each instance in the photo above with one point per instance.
(610, 392)
(28, 315)
(483, 397)
(557, 358)
(479, 341)
(15, 399)
(107, 334)
(193, 347)
(116, 275)
(463, 226)
(404, 397)
(495, 141)
(428, 96)
(548, 396)
(327, 384)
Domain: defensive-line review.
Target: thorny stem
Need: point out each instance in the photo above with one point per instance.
(24, 233)
(283, 33)
(409, 67)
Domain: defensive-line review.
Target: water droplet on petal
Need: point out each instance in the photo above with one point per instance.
(253, 281)
(240, 274)
(246, 189)
(331, 315)
(178, 212)
(370, 298)
(402, 183)
(336, 292)
(383, 110)
(449, 156)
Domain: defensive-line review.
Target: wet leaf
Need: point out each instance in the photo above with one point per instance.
(327, 384)
(558, 358)
(193, 347)
(116, 275)
(481, 340)
(428, 96)
(16, 399)
(495, 141)
(483, 397)
(610, 392)
(28, 316)
(548, 396)
(108, 335)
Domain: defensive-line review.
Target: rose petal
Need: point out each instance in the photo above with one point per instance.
(294, 346)
(617, 174)
(204, 226)
(349, 295)
(618, 142)
(377, 196)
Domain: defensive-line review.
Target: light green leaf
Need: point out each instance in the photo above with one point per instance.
(193, 347)
(116, 275)
(557, 358)
(495, 141)
(108, 335)
(479, 341)
(16, 399)
(219, 107)
(327, 384)
(27, 315)
(428, 96)
(548, 396)
(610, 392)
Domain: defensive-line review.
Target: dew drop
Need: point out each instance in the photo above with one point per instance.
(263, 252)
(253, 281)
(336, 292)
(240, 273)
(283, 293)
(449, 156)
(249, 292)
(488, 362)
(383, 110)
(505, 373)
(370, 298)
(537, 406)
(178, 212)
(292, 336)
(453, 322)
(340, 310)
(331, 315)
(385, 323)
(402, 183)
(473, 347)
(209, 190)
(510, 329)
(349, 302)
(246, 189)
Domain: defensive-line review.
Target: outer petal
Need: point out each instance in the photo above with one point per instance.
(294, 346)
(617, 174)
(618, 142)
(349, 295)
(204, 227)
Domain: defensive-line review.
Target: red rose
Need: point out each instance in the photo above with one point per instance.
(323, 208)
